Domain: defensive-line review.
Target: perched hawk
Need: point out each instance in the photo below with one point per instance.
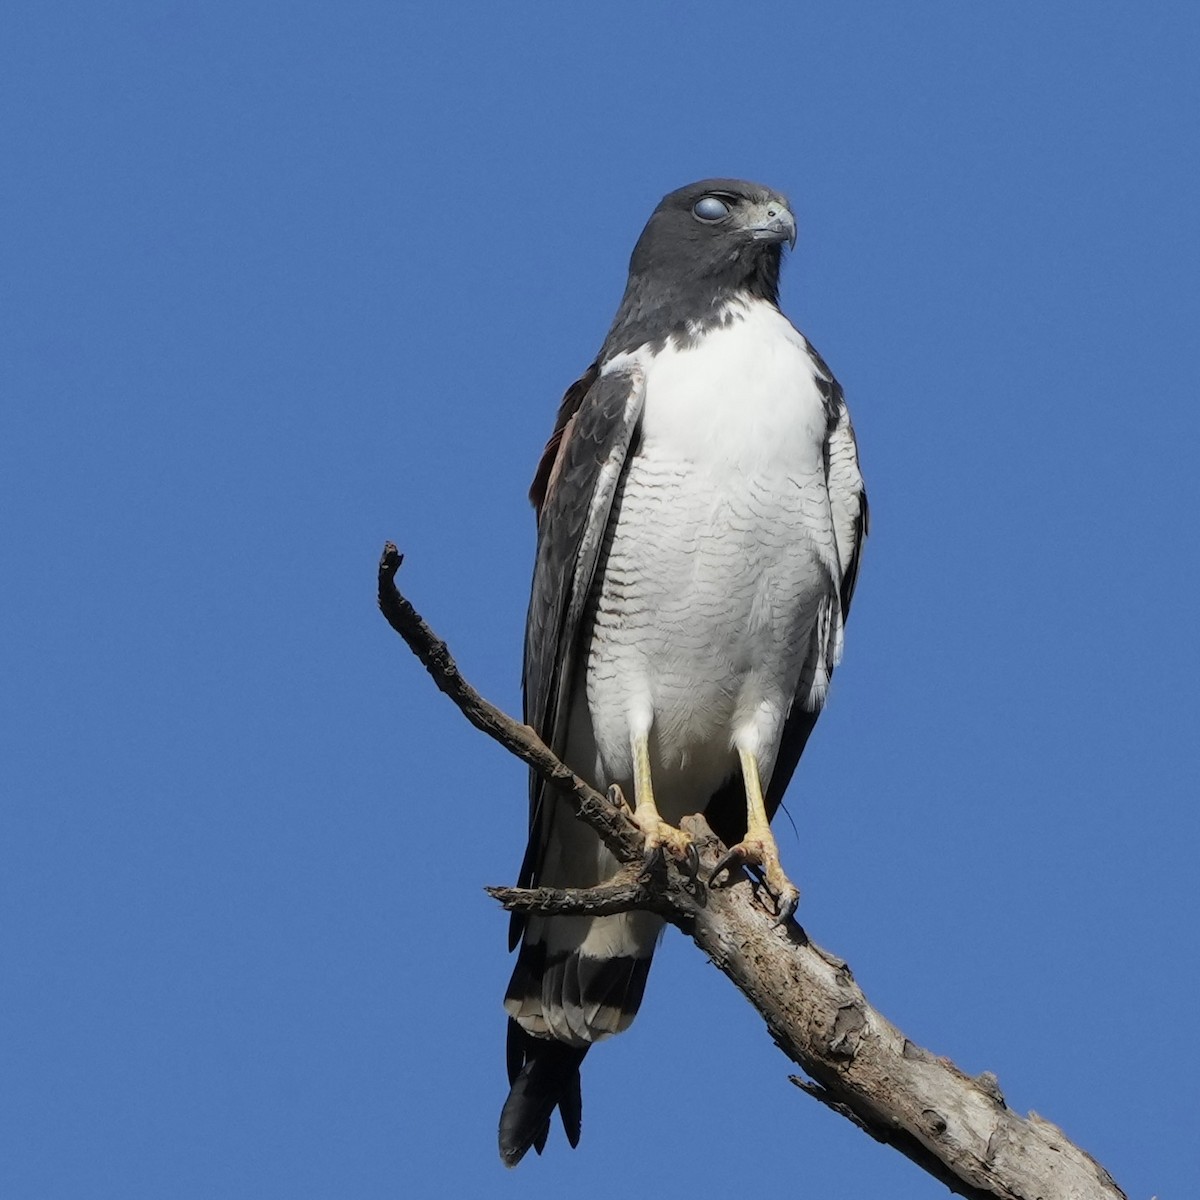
(700, 519)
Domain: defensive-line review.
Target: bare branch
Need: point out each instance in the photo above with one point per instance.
(955, 1127)
(604, 901)
(609, 820)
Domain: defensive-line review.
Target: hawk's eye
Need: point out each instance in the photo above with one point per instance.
(710, 208)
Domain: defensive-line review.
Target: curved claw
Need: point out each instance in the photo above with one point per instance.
(616, 798)
(652, 861)
(691, 862)
(732, 860)
(770, 878)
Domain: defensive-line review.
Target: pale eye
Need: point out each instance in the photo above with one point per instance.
(710, 208)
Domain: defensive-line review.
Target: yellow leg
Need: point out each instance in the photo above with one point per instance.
(658, 833)
(758, 848)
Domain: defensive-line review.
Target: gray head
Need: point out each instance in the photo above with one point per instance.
(703, 243)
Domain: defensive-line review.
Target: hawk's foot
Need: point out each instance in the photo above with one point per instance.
(660, 836)
(763, 855)
(663, 838)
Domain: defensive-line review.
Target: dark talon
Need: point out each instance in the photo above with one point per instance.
(730, 863)
(652, 863)
(691, 862)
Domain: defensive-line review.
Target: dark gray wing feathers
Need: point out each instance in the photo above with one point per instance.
(574, 516)
(848, 508)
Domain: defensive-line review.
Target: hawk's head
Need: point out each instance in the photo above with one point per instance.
(726, 233)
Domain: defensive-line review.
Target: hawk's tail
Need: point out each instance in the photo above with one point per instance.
(544, 1075)
(577, 980)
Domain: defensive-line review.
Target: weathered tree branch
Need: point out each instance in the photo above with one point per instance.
(956, 1127)
(622, 895)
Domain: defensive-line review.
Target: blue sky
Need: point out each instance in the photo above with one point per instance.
(284, 281)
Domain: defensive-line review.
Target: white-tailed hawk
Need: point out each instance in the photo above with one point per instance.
(700, 519)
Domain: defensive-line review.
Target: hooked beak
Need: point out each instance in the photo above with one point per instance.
(772, 221)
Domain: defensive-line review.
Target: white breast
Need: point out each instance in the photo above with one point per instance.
(722, 566)
(742, 399)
